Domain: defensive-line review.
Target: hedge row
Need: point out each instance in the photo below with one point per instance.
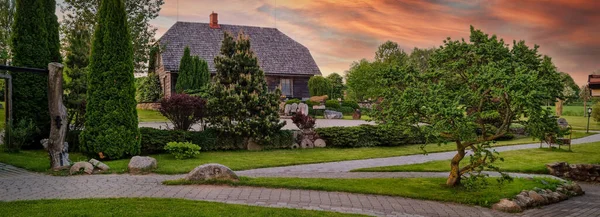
(154, 140)
(367, 136)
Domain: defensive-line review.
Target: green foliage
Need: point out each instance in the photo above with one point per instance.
(33, 44)
(544, 127)
(571, 90)
(154, 140)
(19, 135)
(596, 112)
(361, 80)
(240, 101)
(419, 58)
(75, 75)
(139, 14)
(319, 86)
(148, 89)
(183, 110)
(389, 53)
(311, 103)
(346, 110)
(471, 95)
(182, 150)
(7, 14)
(350, 103)
(367, 136)
(111, 124)
(193, 73)
(292, 101)
(337, 85)
(332, 103)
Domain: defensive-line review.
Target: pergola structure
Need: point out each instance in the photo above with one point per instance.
(594, 85)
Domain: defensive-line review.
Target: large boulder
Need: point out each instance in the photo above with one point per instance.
(142, 165)
(99, 165)
(212, 172)
(524, 201)
(333, 114)
(77, 167)
(506, 205)
(538, 200)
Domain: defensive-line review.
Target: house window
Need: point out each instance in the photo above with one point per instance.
(286, 87)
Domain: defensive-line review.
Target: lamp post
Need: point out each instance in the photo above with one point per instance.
(589, 112)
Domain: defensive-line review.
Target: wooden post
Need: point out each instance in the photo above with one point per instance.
(57, 148)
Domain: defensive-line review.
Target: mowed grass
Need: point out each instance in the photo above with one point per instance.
(522, 161)
(147, 207)
(150, 116)
(418, 188)
(37, 160)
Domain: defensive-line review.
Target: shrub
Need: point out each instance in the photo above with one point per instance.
(111, 121)
(182, 110)
(319, 86)
(350, 103)
(311, 103)
(596, 112)
(346, 110)
(154, 140)
(332, 103)
(367, 136)
(19, 134)
(182, 150)
(303, 121)
(292, 101)
(148, 90)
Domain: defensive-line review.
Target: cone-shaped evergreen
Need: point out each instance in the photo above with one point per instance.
(111, 124)
(193, 73)
(240, 101)
(34, 44)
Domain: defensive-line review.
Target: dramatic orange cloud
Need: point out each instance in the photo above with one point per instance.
(338, 32)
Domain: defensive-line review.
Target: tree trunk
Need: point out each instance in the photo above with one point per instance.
(585, 107)
(454, 177)
(57, 149)
(559, 107)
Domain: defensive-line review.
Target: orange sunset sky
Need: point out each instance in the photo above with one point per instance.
(340, 32)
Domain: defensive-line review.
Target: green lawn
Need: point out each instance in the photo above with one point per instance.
(241, 160)
(150, 116)
(524, 161)
(418, 188)
(146, 207)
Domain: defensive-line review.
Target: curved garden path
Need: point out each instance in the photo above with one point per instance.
(18, 184)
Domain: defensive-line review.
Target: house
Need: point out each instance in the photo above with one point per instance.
(594, 85)
(287, 64)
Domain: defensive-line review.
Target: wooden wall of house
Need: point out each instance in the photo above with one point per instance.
(301, 87)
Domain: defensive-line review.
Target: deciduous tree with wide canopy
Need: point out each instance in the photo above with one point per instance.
(470, 95)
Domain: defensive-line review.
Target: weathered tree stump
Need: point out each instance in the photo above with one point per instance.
(58, 151)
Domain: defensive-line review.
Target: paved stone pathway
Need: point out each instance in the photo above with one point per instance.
(346, 166)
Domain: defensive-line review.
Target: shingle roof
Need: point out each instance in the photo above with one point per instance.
(277, 53)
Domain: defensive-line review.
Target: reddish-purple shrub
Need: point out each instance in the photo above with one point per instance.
(303, 121)
(183, 110)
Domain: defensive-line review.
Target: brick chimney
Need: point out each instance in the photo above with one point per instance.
(214, 21)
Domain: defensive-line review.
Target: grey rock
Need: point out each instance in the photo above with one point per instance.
(333, 114)
(212, 172)
(506, 205)
(303, 109)
(287, 109)
(537, 198)
(294, 108)
(99, 165)
(523, 201)
(562, 123)
(320, 143)
(142, 165)
(77, 167)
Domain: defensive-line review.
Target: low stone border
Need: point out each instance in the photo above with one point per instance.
(148, 106)
(579, 172)
(538, 197)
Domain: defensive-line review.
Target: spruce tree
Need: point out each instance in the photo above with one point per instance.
(240, 101)
(34, 44)
(75, 75)
(111, 124)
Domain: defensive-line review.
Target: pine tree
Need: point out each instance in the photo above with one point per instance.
(34, 44)
(111, 125)
(184, 75)
(75, 75)
(240, 101)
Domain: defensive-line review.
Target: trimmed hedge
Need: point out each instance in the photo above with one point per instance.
(332, 104)
(367, 136)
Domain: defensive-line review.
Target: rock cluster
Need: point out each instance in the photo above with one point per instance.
(579, 172)
(101, 166)
(333, 114)
(538, 197)
(87, 168)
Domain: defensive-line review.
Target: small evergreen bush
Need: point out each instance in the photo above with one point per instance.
(20, 134)
(346, 110)
(350, 103)
(367, 136)
(182, 150)
(332, 103)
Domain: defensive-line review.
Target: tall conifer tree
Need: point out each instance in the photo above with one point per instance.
(111, 124)
(240, 100)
